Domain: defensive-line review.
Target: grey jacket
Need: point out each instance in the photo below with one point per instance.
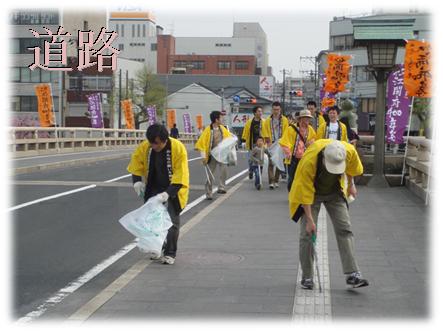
(258, 155)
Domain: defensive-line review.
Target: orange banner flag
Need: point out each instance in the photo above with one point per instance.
(418, 77)
(171, 118)
(327, 102)
(199, 121)
(337, 73)
(44, 102)
(129, 115)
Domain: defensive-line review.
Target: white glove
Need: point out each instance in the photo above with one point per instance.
(243, 145)
(140, 188)
(203, 156)
(162, 197)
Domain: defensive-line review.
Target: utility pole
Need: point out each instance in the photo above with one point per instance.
(284, 71)
(120, 99)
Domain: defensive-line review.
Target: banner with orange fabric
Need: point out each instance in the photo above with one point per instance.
(417, 77)
(44, 102)
(327, 103)
(171, 118)
(337, 73)
(129, 115)
(199, 121)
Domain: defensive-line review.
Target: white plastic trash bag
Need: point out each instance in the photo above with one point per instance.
(225, 151)
(150, 224)
(277, 156)
(265, 166)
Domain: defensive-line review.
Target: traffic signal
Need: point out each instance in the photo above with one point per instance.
(251, 100)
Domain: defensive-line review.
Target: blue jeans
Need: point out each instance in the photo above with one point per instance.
(255, 170)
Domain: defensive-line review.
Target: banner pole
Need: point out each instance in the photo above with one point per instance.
(407, 141)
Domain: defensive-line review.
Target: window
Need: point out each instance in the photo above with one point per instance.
(15, 74)
(198, 64)
(123, 30)
(180, 63)
(35, 75)
(144, 30)
(121, 47)
(28, 103)
(15, 103)
(154, 47)
(89, 83)
(241, 65)
(15, 46)
(138, 30)
(344, 42)
(133, 30)
(368, 105)
(223, 64)
(116, 28)
(104, 83)
(46, 76)
(25, 74)
(37, 18)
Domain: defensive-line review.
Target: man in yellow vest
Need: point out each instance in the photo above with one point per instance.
(163, 162)
(320, 179)
(333, 128)
(275, 125)
(209, 139)
(254, 128)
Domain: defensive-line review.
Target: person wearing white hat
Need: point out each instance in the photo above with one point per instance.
(320, 179)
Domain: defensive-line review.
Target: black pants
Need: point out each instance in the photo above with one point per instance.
(291, 171)
(170, 245)
(173, 207)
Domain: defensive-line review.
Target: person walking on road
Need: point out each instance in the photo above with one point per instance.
(295, 140)
(254, 128)
(163, 162)
(333, 129)
(174, 132)
(317, 118)
(276, 125)
(209, 139)
(257, 158)
(320, 179)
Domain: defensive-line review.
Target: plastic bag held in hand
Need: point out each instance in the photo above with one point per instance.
(277, 156)
(150, 224)
(225, 151)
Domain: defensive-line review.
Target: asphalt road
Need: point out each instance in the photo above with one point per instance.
(55, 241)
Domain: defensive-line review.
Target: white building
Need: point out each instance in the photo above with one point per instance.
(195, 99)
(254, 30)
(134, 30)
(215, 46)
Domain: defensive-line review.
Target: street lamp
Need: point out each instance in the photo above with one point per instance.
(381, 39)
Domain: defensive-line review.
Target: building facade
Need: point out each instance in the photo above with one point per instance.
(213, 64)
(22, 80)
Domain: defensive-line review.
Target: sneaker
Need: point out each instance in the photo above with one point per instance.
(221, 191)
(283, 176)
(271, 186)
(251, 175)
(258, 187)
(208, 197)
(276, 185)
(307, 283)
(167, 260)
(356, 280)
(156, 256)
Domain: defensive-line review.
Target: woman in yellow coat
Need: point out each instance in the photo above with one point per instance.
(295, 140)
(163, 162)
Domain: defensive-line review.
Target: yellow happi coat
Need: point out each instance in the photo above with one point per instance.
(204, 141)
(247, 132)
(289, 139)
(268, 129)
(321, 131)
(303, 190)
(180, 171)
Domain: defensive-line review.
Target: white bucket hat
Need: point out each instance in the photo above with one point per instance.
(335, 157)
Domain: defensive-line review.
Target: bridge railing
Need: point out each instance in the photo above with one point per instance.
(30, 141)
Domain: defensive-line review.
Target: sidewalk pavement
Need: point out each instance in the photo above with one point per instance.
(241, 261)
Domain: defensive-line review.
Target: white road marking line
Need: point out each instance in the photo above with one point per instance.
(311, 304)
(85, 152)
(29, 203)
(58, 195)
(123, 280)
(76, 284)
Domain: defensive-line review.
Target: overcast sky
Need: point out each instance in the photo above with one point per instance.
(291, 34)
